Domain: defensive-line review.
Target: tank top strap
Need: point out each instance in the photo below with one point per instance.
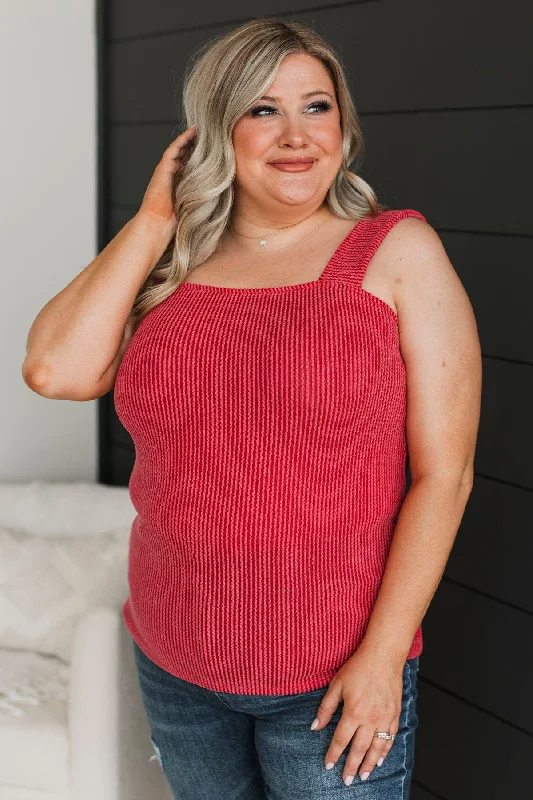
(349, 263)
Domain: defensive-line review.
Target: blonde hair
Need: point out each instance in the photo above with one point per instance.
(223, 79)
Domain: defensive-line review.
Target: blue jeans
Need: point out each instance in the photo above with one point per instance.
(223, 746)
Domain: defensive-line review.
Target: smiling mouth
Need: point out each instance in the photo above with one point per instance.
(293, 161)
(293, 164)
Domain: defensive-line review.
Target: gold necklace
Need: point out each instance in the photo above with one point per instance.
(282, 249)
(263, 239)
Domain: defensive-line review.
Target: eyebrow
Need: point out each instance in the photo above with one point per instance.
(307, 94)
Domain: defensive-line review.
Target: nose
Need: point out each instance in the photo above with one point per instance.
(293, 132)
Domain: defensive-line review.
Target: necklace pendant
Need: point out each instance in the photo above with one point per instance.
(262, 241)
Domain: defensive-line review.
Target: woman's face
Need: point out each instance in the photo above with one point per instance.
(297, 118)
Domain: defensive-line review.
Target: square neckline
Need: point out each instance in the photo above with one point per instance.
(276, 289)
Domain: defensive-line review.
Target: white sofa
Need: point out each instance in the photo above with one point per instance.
(92, 741)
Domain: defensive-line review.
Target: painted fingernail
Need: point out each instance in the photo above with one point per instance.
(380, 762)
(314, 723)
(348, 779)
(364, 776)
(330, 765)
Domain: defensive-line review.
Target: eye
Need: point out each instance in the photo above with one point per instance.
(255, 111)
(322, 105)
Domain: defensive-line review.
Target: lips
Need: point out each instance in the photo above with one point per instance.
(292, 161)
(293, 164)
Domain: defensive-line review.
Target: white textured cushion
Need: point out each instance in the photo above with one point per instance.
(34, 747)
(30, 679)
(78, 508)
(48, 583)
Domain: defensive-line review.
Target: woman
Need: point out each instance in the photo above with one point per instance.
(292, 340)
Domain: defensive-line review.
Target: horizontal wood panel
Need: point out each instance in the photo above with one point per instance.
(465, 754)
(134, 153)
(505, 440)
(134, 17)
(451, 166)
(481, 656)
(436, 163)
(493, 550)
(415, 48)
(139, 94)
(496, 273)
(120, 464)
(418, 793)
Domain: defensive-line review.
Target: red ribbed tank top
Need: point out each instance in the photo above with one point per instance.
(270, 467)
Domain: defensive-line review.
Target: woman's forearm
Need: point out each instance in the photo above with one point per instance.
(76, 335)
(423, 538)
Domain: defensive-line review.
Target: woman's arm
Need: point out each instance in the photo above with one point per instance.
(77, 340)
(440, 348)
(441, 352)
(73, 342)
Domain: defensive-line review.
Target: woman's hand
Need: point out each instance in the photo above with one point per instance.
(371, 692)
(159, 196)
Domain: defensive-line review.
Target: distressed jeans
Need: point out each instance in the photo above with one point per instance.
(223, 746)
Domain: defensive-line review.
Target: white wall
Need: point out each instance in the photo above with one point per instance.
(48, 219)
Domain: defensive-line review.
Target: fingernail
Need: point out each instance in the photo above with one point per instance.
(380, 762)
(348, 779)
(314, 723)
(330, 765)
(364, 776)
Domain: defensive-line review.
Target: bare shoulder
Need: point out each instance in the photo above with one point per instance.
(413, 241)
(441, 350)
(421, 273)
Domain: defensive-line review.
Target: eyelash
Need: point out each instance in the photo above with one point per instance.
(323, 103)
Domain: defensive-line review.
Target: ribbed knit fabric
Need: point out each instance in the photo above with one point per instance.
(269, 432)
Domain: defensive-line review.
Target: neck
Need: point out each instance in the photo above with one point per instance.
(257, 225)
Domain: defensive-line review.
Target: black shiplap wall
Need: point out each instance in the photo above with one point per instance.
(444, 93)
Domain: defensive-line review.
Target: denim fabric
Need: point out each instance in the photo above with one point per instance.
(223, 746)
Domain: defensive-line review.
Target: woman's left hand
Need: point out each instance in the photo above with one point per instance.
(371, 691)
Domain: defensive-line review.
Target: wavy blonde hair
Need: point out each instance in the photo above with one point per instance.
(223, 79)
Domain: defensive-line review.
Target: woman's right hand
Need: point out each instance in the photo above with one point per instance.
(158, 199)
